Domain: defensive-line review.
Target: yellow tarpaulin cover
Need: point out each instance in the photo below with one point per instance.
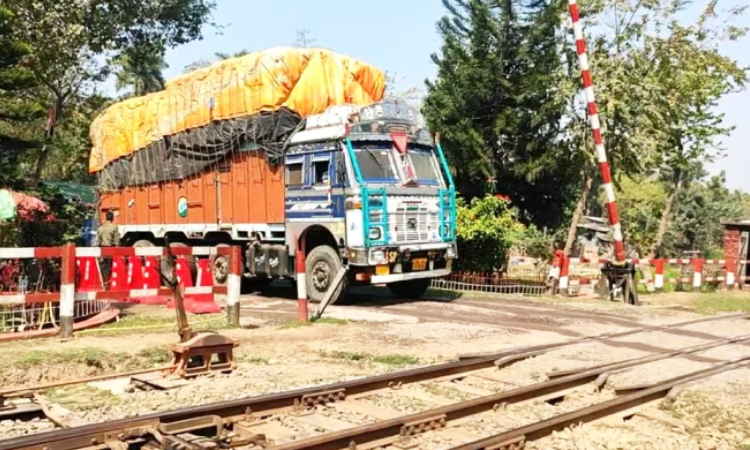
(306, 81)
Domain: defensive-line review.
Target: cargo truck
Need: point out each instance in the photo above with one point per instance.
(363, 188)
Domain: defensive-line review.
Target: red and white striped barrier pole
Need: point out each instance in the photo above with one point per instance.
(601, 154)
(697, 273)
(67, 291)
(731, 268)
(234, 286)
(302, 308)
(659, 276)
(564, 271)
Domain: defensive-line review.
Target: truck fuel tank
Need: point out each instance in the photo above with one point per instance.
(268, 260)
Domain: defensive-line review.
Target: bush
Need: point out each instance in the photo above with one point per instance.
(536, 244)
(61, 224)
(486, 229)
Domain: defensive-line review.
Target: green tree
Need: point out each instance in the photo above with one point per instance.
(140, 70)
(641, 201)
(68, 37)
(692, 76)
(494, 103)
(16, 107)
(486, 229)
(699, 210)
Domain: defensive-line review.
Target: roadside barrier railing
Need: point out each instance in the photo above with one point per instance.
(577, 276)
(55, 286)
(491, 282)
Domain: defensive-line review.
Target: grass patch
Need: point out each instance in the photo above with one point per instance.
(324, 320)
(347, 356)
(145, 324)
(295, 324)
(389, 360)
(257, 360)
(329, 320)
(155, 355)
(396, 360)
(720, 303)
(82, 397)
(93, 357)
(90, 357)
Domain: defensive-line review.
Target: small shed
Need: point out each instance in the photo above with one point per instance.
(736, 237)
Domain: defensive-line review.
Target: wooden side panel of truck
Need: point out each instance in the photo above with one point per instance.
(251, 191)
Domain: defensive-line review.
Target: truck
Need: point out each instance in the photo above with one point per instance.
(366, 189)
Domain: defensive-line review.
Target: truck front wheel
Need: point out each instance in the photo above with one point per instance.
(321, 267)
(409, 289)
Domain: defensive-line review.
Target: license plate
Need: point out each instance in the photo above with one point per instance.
(382, 270)
(419, 264)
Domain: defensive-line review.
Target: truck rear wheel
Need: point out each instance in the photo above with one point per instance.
(220, 267)
(321, 267)
(167, 268)
(410, 289)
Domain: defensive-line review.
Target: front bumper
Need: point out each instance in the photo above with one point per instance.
(394, 277)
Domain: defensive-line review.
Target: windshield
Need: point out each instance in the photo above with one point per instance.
(375, 164)
(423, 163)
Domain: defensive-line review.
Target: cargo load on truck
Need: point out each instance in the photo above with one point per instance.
(254, 102)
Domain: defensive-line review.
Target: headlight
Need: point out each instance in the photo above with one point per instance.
(378, 257)
(357, 256)
(375, 233)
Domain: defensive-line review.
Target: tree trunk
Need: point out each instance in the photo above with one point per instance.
(41, 161)
(664, 221)
(577, 214)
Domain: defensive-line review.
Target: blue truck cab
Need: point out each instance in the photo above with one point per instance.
(368, 190)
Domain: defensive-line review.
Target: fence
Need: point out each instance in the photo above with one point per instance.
(54, 287)
(491, 282)
(576, 276)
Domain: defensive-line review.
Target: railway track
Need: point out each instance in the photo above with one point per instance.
(348, 415)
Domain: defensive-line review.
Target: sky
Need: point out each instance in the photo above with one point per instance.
(400, 36)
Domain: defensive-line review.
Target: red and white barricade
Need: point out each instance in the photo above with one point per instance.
(686, 273)
(132, 276)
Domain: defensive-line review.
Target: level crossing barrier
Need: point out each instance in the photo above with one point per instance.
(83, 281)
(576, 276)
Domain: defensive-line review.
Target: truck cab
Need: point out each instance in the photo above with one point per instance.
(368, 190)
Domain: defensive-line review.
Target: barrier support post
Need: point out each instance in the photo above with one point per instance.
(564, 270)
(299, 259)
(731, 269)
(234, 286)
(659, 275)
(67, 291)
(697, 273)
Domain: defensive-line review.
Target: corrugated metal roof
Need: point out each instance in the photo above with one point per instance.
(84, 193)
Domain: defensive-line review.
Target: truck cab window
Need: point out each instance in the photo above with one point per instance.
(320, 172)
(294, 174)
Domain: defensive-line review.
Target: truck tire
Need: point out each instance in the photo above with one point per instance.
(167, 268)
(410, 289)
(321, 267)
(143, 243)
(220, 267)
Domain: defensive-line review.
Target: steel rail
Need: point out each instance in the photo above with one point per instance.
(387, 431)
(257, 406)
(616, 334)
(6, 393)
(516, 438)
(264, 405)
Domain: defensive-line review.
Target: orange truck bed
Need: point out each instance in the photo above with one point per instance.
(250, 191)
